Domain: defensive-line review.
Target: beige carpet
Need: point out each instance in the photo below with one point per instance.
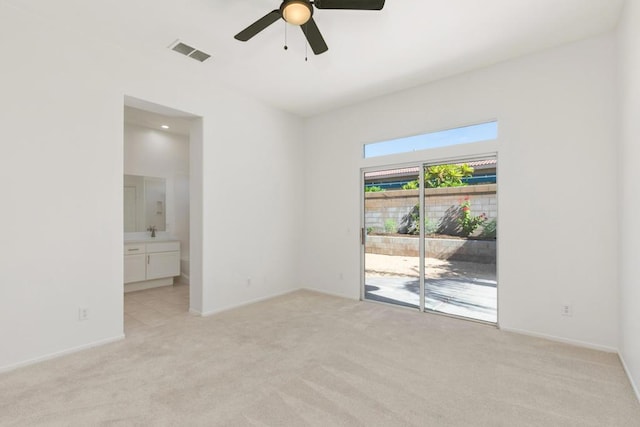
(310, 359)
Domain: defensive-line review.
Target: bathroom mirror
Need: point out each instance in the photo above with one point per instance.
(144, 203)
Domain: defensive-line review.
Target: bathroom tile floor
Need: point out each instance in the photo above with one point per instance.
(144, 310)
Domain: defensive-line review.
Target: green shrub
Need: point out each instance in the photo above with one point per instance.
(489, 230)
(429, 227)
(390, 226)
(373, 189)
(437, 176)
(468, 222)
(413, 226)
(447, 175)
(411, 185)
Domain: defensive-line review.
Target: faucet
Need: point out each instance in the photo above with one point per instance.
(152, 229)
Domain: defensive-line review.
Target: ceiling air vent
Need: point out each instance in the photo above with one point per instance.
(189, 51)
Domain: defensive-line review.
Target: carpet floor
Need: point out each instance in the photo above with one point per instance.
(311, 359)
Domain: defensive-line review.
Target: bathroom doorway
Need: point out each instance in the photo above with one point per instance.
(158, 284)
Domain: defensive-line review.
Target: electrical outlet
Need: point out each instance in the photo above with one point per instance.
(566, 310)
(83, 313)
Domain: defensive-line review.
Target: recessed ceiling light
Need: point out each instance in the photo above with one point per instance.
(164, 127)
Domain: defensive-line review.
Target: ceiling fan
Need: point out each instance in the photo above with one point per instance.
(300, 12)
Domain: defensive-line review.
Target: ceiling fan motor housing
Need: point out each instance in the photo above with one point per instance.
(296, 12)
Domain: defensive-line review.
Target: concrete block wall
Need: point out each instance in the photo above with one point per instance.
(442, 205)
(482, 251)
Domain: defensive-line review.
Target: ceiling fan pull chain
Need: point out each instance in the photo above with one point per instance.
(285, 36)
(306, 45)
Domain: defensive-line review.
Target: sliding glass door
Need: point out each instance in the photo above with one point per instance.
(460, 217)
(391, 241)
(430, 237)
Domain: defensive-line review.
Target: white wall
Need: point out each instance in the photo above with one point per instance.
(629, 34)
(557, 127)
(61, 246)
(152, 152)
(252, 196)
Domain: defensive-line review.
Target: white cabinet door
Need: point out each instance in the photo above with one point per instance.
(134, 268)
(163, 264)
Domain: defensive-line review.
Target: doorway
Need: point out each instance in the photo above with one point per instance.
(159, 143)
(430, 237)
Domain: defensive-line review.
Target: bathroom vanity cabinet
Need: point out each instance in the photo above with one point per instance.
(150, 264)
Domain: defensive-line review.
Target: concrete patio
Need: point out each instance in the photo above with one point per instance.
(466, 289)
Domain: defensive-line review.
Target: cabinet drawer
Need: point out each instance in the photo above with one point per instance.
(162, 247)
(134, 248)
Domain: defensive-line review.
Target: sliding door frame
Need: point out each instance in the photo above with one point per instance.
(363, 233)
(421, 165)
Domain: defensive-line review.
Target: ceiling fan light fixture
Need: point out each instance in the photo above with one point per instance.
(300, 13)
(297, 12)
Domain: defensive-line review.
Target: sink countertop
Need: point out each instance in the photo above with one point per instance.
(150, 240)
(145, 237)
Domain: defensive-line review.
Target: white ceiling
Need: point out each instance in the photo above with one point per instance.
(146, 115)
(371, 53)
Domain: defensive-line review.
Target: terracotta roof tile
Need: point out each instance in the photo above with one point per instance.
(389, 173)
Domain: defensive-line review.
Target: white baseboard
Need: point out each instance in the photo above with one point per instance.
(634, 386)
(184, 279)
(577, 343)
(253, 301)
(60, 353)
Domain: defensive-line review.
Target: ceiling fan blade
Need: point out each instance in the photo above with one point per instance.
(312, 33)
(258, 26)
(349, 4)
